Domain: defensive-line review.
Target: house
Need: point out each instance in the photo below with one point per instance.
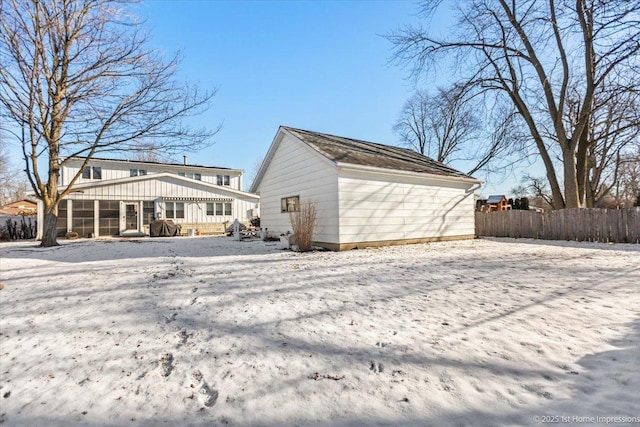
(365, 194)
(496, 203)
(19, 207)
(122, 197)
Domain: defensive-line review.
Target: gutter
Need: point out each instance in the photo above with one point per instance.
(396, 172)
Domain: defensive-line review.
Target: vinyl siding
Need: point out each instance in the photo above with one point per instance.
(151, 189)
(375, 209)
(296, 170)
(118, 170)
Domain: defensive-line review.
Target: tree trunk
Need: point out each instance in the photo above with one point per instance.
(571, 194)
(49, 226)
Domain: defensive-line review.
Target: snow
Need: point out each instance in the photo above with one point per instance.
(210, 331)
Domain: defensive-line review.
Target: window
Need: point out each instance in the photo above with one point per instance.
(174, 210)
(180, 210)
(224, 180)
(220, 208)
(290, 204)
(92, 172)
(137, 172)
(191, 175)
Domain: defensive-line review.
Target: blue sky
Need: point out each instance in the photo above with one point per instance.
(317, 65)
(321, 66)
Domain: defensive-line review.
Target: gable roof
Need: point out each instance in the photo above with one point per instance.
(358, 152)
(496, 198)
(340, 150)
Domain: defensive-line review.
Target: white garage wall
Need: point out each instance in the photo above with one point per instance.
(374, 209)
(297, 170)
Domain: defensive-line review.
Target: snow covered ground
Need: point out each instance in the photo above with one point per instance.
(209, 331)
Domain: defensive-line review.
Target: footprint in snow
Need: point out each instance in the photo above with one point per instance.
(166, 364)
(182, 336)
(376, 367)
(207, 396)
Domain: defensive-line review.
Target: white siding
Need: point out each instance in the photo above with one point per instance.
(375, 209)
(122, 169)
(168, 188)
(296, 170)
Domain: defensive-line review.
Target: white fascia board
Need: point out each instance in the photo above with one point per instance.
(272, 150)
(188, 181)
(396, 172)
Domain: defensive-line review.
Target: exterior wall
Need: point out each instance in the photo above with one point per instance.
(121, 169)
(378, 208)
(297, 170)
(150, 189)
(195, 198)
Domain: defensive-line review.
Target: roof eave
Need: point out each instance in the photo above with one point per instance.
(102, 183)
(398, 172)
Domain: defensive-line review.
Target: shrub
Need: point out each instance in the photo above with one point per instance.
(302, 222)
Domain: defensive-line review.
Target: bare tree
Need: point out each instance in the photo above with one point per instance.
(627, 187)
(539, 54)
(613, 138)
(79, 77)
(451, 126)
(13, 186)
(413, 126)
(253, 172)
(536, 189)
(147, 151)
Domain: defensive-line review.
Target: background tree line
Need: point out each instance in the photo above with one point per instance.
(555, 79)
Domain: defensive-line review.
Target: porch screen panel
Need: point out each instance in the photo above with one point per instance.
(61, 222)
(147, 213)
(109, 217)
(82, 217)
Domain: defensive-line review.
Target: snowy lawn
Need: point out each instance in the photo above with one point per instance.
(209, 331)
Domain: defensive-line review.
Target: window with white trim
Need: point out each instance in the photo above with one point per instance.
(290, 204)
(92, 172)
(196, 176)
(223, 180)
(137, 172)
(174, 210)
(220, 209)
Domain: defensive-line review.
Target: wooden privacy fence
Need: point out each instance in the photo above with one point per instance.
(592, 225)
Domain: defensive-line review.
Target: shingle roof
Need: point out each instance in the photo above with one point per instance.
(357, 152)
(144, 162)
